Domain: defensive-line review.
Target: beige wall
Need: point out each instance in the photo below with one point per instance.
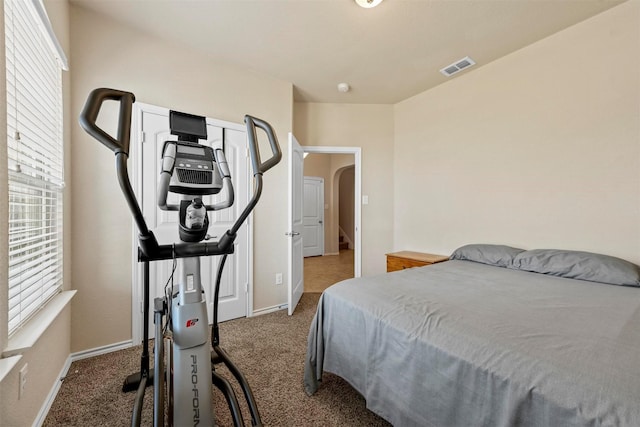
(339, 164)
(45, 362)
(369, 127)
(538, 149)
(317, 165)
(107, 54)
(48, 356)
(345, 214)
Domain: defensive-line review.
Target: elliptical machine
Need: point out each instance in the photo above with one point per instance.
(191, 170)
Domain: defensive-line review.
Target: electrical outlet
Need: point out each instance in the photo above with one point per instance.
(278, 278)
(22, 380)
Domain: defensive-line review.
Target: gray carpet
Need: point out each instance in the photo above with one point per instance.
(269, 349)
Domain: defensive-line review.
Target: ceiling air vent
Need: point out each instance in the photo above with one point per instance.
(457, 66)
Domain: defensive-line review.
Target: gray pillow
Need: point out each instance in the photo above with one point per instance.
(579, 265)
(498, 255)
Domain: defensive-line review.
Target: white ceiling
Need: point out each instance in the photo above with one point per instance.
(386, 54)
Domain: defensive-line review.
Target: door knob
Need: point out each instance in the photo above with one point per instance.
(320, 222)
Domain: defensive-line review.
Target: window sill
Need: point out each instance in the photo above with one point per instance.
(29, 334)
(6, 365)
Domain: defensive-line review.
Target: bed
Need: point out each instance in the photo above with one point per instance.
(496, 336)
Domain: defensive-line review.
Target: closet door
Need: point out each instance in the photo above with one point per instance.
(152, 132)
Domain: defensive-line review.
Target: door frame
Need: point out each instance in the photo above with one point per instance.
(136, 177)
(357, 154)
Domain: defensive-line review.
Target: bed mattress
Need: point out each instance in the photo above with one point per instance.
(466, 344)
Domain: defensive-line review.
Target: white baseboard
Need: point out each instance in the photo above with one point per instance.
(268, 310)
(101, 350)
(331, 253)
(44, 410)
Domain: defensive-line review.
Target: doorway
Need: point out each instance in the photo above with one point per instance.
(296, 282)
(337, 263)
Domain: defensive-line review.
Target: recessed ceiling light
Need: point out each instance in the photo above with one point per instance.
(368, 3)
(343, 87)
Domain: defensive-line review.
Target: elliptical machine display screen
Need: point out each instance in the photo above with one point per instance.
(187, 127)
(185, 149)
(195, 170)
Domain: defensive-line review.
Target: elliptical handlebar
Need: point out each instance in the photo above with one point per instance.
(90, 113)
(119, 146)
(150, 249)
(276, 154)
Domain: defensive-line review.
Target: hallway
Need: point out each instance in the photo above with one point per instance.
(323, 271)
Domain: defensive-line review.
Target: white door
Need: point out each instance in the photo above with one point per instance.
(296, 270)
(313, 218)
(153, 131)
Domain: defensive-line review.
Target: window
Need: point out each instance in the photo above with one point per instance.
(35, 154)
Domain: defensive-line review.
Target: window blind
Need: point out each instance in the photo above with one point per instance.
(35, 156)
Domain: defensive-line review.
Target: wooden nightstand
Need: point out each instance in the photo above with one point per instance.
(407, 259)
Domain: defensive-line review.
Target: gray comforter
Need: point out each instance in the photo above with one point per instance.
(466, 344)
